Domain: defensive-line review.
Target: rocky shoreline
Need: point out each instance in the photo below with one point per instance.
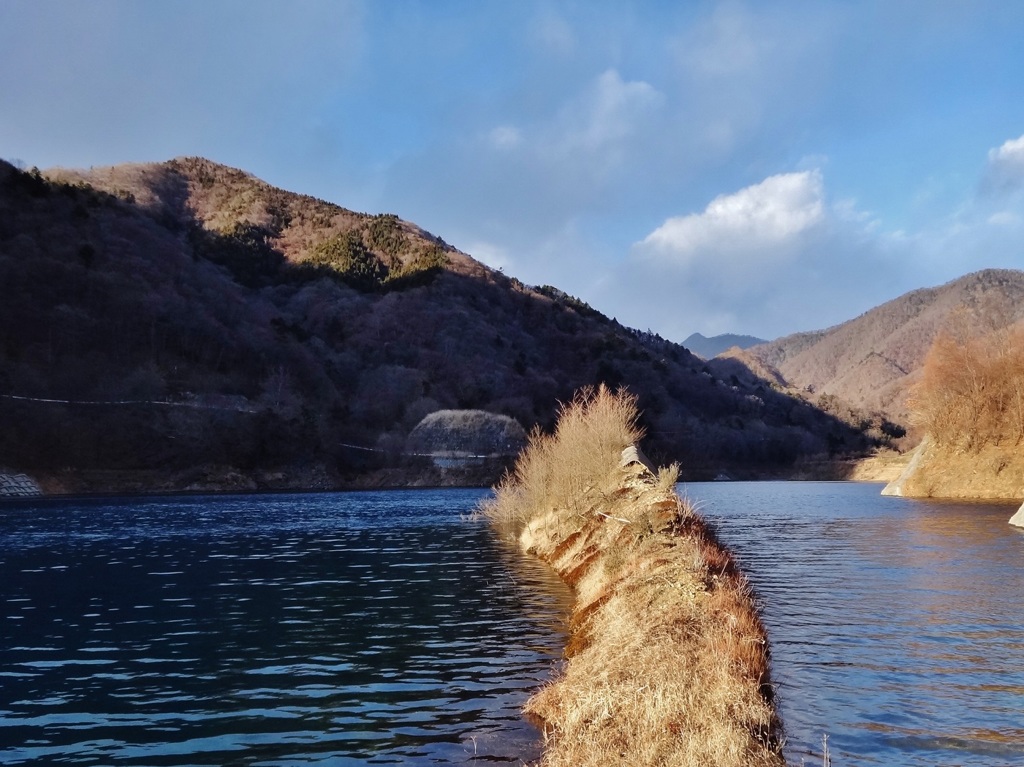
(319, 477)
(218, 479)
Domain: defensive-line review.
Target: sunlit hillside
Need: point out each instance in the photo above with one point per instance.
(969, 402)
(872, 361)
(179, 316)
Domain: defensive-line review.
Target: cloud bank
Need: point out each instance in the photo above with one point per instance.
(757, 259)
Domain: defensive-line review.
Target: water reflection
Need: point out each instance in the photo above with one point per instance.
(897, 626)
(355, 628)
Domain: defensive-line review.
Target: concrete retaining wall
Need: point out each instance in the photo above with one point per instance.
(18, 486)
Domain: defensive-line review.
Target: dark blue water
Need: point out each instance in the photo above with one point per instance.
(375, 628)
(896, 626)
(359, 628)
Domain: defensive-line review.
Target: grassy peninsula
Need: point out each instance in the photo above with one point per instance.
(667, 661)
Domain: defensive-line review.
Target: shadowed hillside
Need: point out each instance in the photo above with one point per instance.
(872, 361)
(187, 318)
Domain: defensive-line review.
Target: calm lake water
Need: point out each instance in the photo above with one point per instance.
(376, 628)
(897, 626)
(356, 628)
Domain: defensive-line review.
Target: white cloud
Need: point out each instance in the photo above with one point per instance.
(1004, 218)
(555, 34)
(1005, 171)
(765, 258)
(505, 137)
(728, 44)
(1011, 152)
(607, 113)
(761, 219)
(523, 180)
(760, 260)
(742, 71)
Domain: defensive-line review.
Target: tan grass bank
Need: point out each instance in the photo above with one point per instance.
(990, 472)
(667, 658)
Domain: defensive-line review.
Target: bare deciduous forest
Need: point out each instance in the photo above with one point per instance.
(188, 314)
(971, 393)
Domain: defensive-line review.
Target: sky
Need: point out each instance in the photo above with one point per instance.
(747, 167)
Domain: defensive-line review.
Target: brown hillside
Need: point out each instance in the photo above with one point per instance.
(970, 403)
(172, 317)
(872, 361)
(232, 203)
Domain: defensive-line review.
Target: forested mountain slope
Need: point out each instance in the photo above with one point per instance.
(872, 361)
(166, 317)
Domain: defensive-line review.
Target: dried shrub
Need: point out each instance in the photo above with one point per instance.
(555, 471)
(971, 392)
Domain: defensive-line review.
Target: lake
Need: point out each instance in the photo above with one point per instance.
(385, 628)
(355, 628)
(896, 625)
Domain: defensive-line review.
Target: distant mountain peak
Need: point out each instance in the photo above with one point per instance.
(871, 360)
(711, 347)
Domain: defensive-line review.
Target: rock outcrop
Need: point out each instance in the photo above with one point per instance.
(453, 438)
(898, 485)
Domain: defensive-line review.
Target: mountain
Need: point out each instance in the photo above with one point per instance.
(184, 324)
(871, 362)
(712, 347)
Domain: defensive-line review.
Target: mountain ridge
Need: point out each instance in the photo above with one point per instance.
(707, 348)
(187, 281)
(873, 360)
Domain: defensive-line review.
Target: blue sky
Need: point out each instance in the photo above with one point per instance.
(753, 167)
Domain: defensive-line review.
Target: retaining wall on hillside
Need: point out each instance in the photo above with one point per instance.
(14, 485)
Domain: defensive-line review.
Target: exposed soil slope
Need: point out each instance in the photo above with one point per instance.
(991, 473)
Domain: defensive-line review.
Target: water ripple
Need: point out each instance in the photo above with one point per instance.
(363, 628)
(896, 626)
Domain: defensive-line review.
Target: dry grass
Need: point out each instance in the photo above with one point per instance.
(970, 401)
(561, 470)
(991, 472)
(668, 660)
